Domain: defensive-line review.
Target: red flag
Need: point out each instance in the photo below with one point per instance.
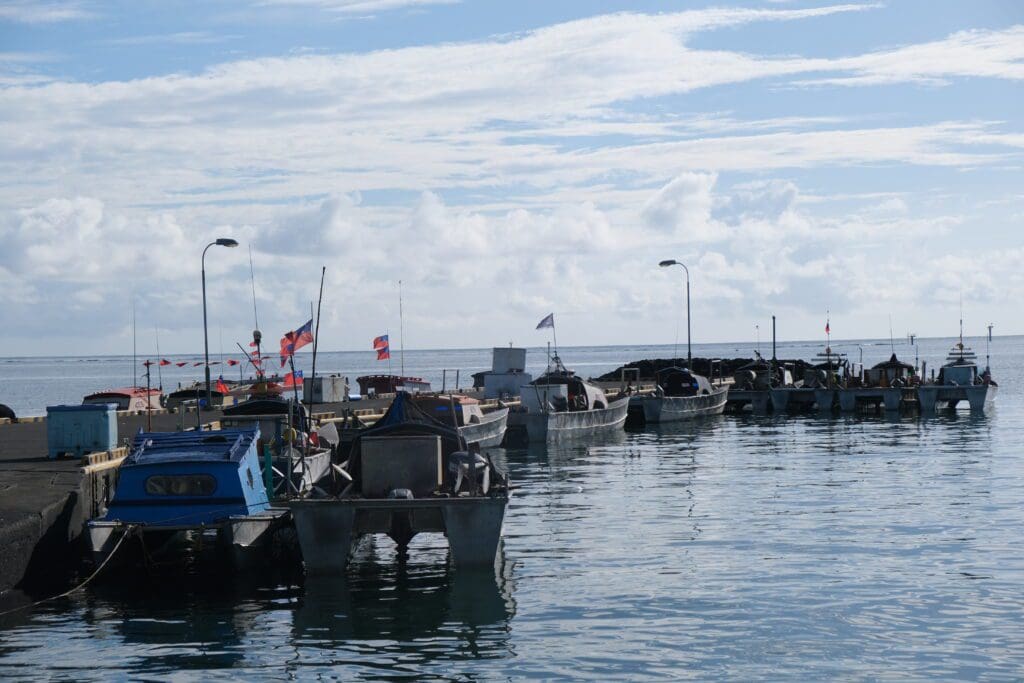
(828, 329)
(221, 386)
(290, 380)
(383, 354)
(295, 340)
(232, 361)
(197, 363)
(147, 363)
(164, 361)
(182, 364)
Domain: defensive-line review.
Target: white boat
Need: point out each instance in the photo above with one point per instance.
(680, 395)
(560, 405)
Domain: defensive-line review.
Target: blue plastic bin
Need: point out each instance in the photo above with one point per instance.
(77, 430)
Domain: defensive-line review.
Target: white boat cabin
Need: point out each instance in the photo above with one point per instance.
(559, 390)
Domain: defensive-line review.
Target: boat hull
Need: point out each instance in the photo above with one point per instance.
(576, 424)
(946, 397)
(657, 409)
(489, 432)
(328, 529)
(244, 535)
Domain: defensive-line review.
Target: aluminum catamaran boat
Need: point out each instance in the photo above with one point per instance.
(680, 395)
(560, 405)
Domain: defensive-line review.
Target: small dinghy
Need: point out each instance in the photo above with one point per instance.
(174, 483)
(409, 474)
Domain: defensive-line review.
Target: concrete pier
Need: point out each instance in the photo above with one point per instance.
(44, 504)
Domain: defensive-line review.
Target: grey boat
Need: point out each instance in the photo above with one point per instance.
(483, 429)
(558, 405)
(409, 474)
(959, 380)
(680, 395)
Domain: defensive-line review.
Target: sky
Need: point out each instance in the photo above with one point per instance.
(857, 162)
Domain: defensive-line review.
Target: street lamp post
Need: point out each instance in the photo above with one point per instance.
(219, 242)
(689, 354)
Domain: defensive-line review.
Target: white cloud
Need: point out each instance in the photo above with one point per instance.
(41, 12)
(978, 53)
(508, 176)
(682, 209)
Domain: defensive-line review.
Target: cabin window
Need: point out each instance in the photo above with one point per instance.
(181, 485)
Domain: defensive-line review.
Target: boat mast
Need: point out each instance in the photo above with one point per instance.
(401, 330)
(961, 347)
(135, 370)
(988, 349)
(256, 335)
(159, 371)
(316, 343)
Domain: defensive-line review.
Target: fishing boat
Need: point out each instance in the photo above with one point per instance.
(889, 373)
(283, 425)
(127, 398)
(959, 380)
(485, 429)
(175, 484)
(560, 405)
(680, 395)
(409, 474)
(194, 395)
(388, 384)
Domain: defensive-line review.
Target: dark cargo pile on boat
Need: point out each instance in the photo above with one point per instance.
(702, 366)
(405, 418)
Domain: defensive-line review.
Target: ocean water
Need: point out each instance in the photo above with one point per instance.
(738, 547)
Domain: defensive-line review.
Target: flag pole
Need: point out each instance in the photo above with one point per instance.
(391, 382)
(554, 335)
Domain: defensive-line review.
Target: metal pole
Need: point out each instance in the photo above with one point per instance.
(689, 351)
(206, 341)
(401, 330)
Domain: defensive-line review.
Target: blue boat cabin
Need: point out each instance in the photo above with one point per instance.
(188, 479)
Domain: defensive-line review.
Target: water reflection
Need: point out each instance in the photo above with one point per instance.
(409, 611)
(184, 619)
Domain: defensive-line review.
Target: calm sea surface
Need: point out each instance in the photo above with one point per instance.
(735, 547)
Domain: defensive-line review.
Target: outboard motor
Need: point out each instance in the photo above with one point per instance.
(745, 379)
(472, 471)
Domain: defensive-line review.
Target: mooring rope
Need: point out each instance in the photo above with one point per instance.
(128, 532)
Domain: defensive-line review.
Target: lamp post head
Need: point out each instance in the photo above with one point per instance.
(226, 242)
(669, 262)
